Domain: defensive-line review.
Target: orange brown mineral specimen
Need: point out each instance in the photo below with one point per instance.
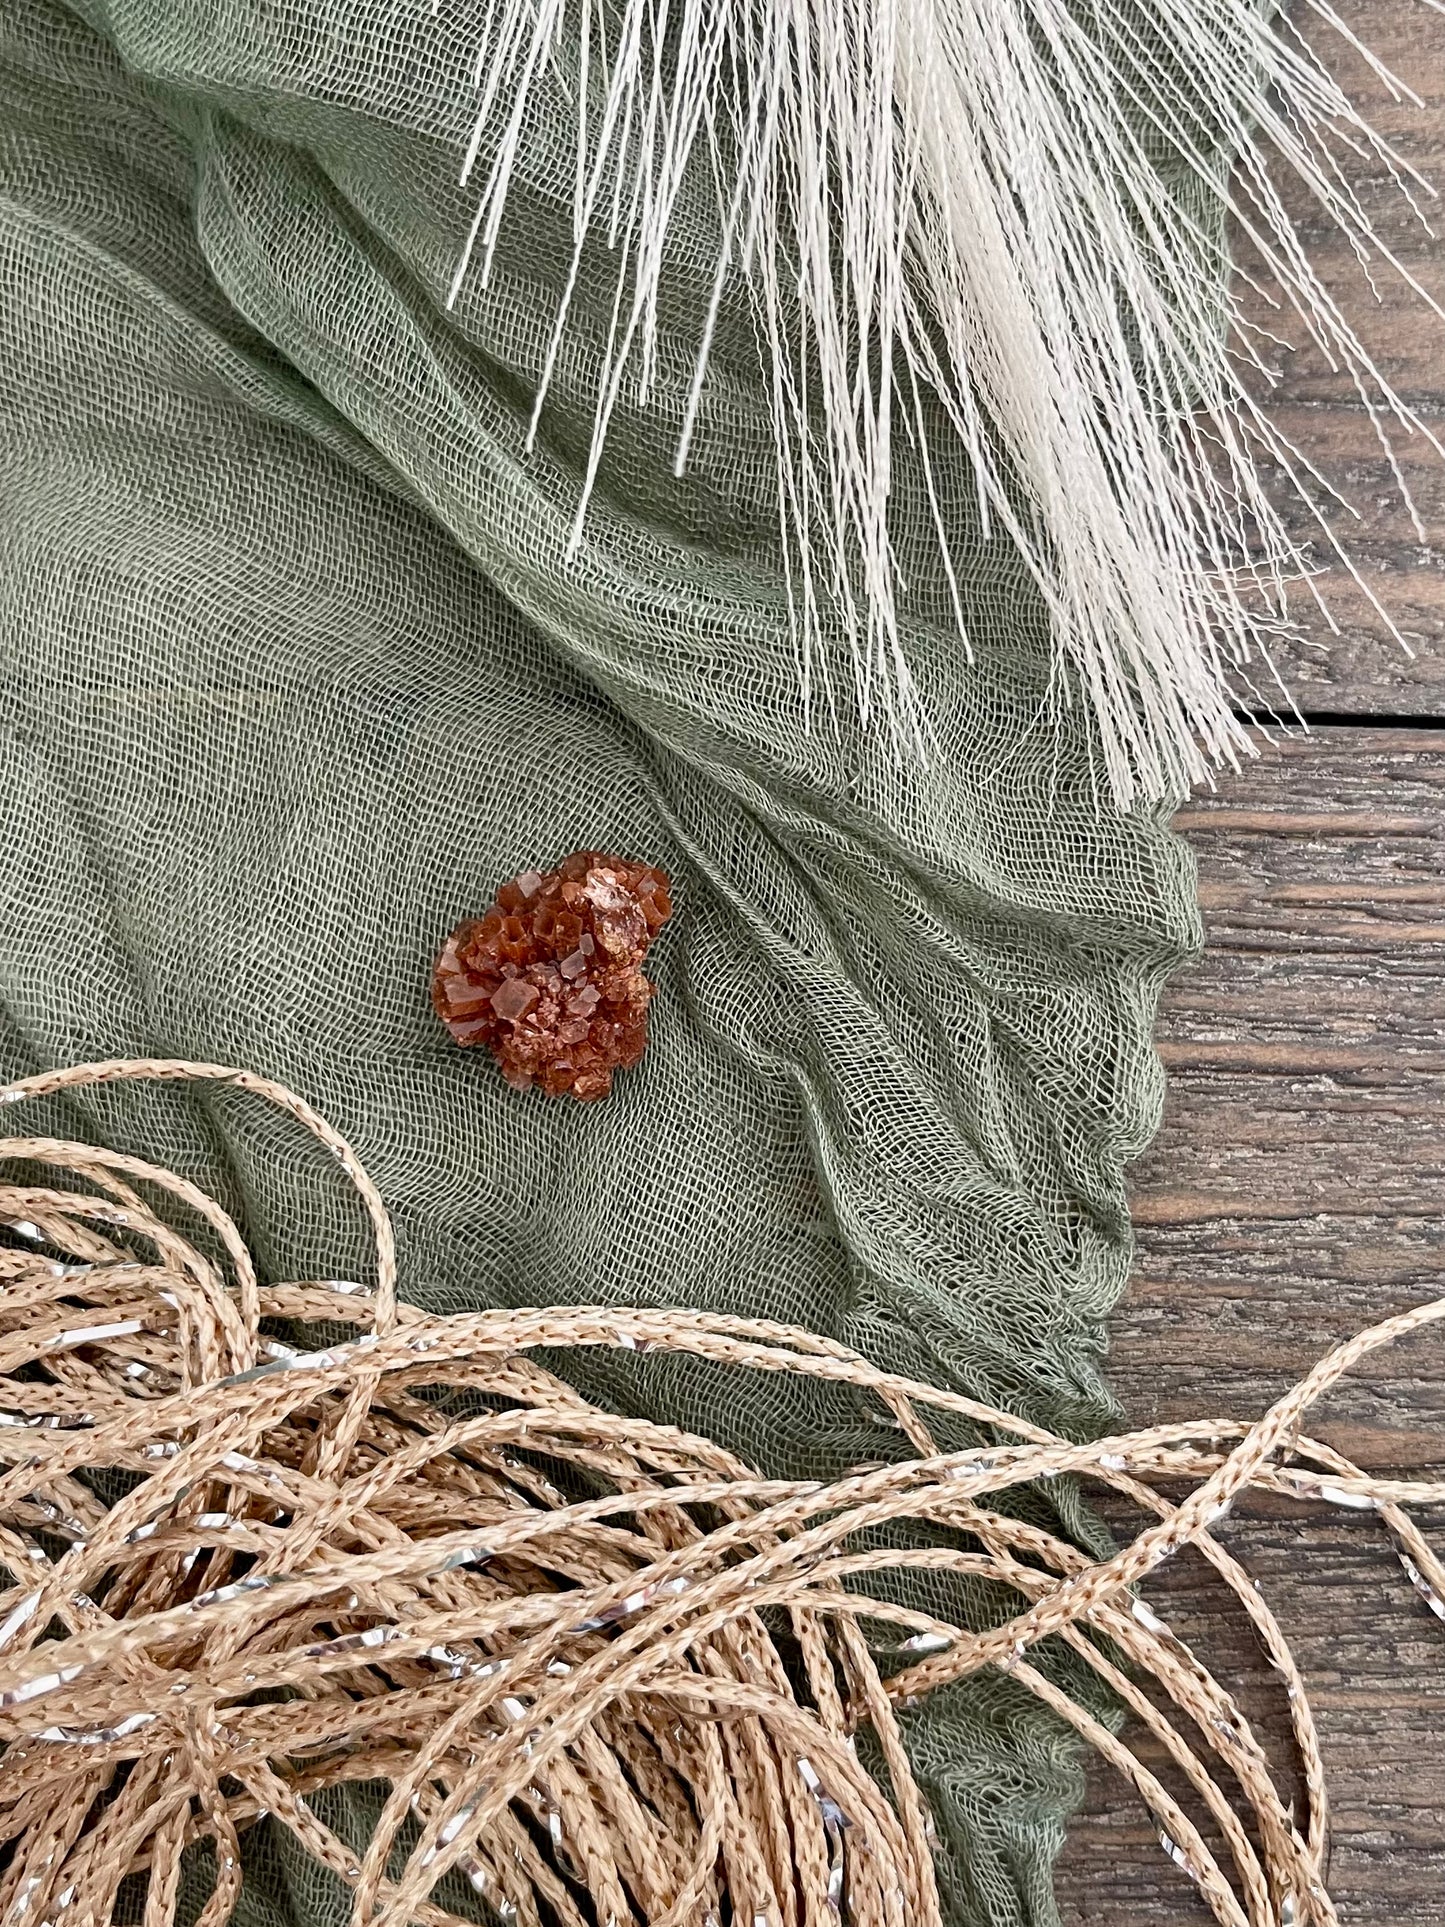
(550, 979)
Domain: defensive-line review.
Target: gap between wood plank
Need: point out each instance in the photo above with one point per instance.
(1337, 719)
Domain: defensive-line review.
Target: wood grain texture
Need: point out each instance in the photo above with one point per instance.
(1295, 1192)
(1362, 670)
(1293, 1196)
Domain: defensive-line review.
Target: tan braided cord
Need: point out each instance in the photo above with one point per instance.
(605, 1670)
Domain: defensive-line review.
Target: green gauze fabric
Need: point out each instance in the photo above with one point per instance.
(295, 671)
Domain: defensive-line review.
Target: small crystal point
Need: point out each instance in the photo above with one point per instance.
(513, 999)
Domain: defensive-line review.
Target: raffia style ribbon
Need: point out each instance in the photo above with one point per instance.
(635, 1700)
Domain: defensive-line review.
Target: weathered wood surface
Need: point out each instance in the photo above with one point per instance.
(1363, 671)
(1296, 1191)
(1295, 1195)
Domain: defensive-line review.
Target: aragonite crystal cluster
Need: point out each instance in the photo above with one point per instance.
(550, 979)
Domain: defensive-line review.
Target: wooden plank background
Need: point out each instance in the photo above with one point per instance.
(1296, 1191)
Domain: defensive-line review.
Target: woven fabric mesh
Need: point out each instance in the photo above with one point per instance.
(296, 671)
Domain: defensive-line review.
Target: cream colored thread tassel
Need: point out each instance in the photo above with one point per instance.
(960, 194)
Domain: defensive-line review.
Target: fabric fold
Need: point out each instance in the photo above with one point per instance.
(297, 667)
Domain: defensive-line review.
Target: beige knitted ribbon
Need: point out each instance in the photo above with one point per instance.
(635, 1700)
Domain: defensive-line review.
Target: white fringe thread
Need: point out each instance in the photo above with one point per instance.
(958, 193)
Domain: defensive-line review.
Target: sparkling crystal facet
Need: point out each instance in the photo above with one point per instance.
(550, 979)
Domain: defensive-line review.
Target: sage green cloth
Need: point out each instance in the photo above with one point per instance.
(296, 671)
